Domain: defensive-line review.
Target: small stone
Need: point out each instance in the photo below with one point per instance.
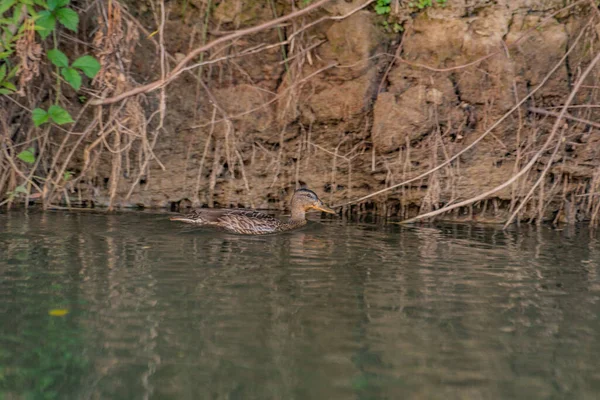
(435, 96)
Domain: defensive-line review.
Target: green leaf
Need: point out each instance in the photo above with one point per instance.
(54, 4)
(22, 188)
(58, 58)
(88, 65)
(16, 17)
(9, 86)
(5, 91)
(2, 72)
(39, 116)
(13, 72)
(27, 156)
(4, 55)
(47, 22)
(72, 76)
(31, 11)
(5, 5)
(67, 175)
(59, 115)
(382, 9)
(68, 18)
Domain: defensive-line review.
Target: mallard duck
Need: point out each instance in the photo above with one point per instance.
(252, 222)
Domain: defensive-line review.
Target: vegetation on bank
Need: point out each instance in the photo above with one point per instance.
(24, 26)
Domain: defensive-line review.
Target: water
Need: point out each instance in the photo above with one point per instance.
(159, 310)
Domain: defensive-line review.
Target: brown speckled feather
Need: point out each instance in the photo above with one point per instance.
(239, 221)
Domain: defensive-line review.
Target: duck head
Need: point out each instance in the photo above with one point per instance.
(305, 200)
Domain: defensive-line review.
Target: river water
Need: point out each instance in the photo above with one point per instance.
(133, 306)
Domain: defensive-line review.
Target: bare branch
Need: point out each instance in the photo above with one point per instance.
(242, 32)
(526, 167)
(487, 132)
(567, 116)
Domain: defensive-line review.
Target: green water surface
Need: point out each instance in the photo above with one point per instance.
(133, 306)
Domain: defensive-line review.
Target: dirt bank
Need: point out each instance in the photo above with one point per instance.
(345, 107)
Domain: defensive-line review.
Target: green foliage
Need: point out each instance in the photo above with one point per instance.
(86, 64)
(59, 115)
(16, 18)
(391, 23)
(72, 76)
(392, 27)
(56, 113)
(54, 4)
(45, 23)
(68, 18)
(383, 7)
(5, 5)
(56, 10)
(39, 116)
(20, 189)
(58, 58)
(7, 87)
(45, 14)
(27, 156)
(421, 4)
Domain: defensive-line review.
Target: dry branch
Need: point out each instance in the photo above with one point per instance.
(526, 167)
(557, 123)
(243, 32)
(566, 116)
(483, 135)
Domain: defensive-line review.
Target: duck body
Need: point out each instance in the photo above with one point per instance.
(252, 222)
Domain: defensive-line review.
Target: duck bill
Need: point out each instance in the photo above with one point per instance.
(182, 219)
(324, 208)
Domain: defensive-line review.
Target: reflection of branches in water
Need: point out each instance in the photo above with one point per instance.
(451, 302)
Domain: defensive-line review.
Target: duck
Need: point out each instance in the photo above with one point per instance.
(253, 222)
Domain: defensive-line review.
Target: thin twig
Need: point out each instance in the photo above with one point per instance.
(480, 138)
(243, 32)
(567, 116)
(557, 124)
(524, 169)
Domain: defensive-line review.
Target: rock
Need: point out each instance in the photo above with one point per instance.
(409, 108)
(340, 93)
(352, 50)
(447, 43)
(340, 101)
(395, 120)
(241, 12)
(434, 42)
(241, 99)
(538, 53)
(434, 96)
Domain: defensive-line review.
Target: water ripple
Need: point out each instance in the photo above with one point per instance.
(334, 310)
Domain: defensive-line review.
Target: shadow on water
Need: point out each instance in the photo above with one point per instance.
(335, 310)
